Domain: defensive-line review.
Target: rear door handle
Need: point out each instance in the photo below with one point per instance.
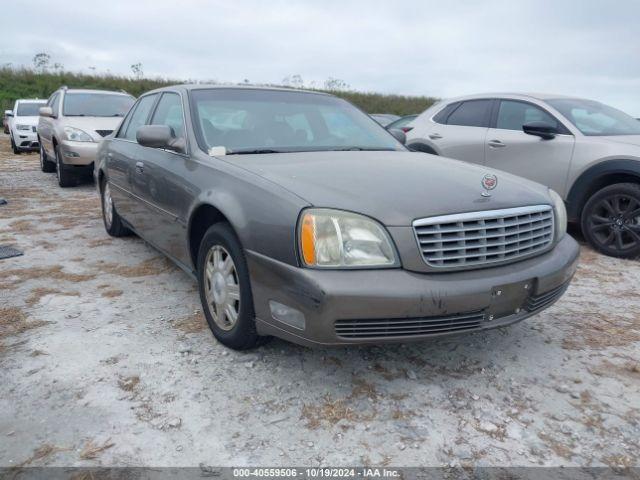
(435, 136)
(496, 144)
(139, 167)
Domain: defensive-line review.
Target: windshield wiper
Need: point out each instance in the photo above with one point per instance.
(253, 151)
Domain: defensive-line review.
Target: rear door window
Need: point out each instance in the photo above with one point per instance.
(472, 113)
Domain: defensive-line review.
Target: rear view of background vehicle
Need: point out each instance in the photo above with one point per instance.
(586, 151)
(5, 121)
(403, 123)
(71, 126)
(23, 123)
(384, 119)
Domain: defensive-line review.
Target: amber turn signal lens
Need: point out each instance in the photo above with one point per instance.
(307, 239)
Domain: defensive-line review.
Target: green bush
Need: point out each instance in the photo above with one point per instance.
(26, 83)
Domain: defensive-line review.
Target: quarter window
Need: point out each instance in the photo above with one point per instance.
(442, 115)
(169, 112)
(473, 113)
(513, 115)
(137, 117)
(54, 104)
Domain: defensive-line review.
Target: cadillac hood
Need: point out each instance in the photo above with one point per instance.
(392, 187)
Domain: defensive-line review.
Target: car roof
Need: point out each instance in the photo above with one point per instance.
(521, 95)
(31, 100)
(206, 86)
(92, 90)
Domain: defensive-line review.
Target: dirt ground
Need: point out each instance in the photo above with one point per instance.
(105, 360)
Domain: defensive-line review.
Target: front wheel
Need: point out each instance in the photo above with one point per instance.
(46, 165)
(14, 147)
(225, 290)
(65, 177)
(611, 220)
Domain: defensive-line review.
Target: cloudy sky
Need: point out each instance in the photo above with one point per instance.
(423, 47)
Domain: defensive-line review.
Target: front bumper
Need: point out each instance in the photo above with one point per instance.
(26, 139)
(396, 305)
(78, 153)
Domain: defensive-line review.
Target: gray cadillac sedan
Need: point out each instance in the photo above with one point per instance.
(303, 218)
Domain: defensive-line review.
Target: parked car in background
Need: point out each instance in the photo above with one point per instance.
(302, 219)
(384, 119)
(403, 123)
(586, 151)
(72, 124)
(5, 120)
(23, 123)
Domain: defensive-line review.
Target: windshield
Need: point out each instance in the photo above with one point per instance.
(596, 119)
(30, 109)
(96, 105)
(268, 121)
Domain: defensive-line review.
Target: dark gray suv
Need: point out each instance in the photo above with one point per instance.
(302, 218)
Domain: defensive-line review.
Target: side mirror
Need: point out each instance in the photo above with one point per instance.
(46, 112)
(544, 130)
(398, 135)
(159, 136)
(8, 113)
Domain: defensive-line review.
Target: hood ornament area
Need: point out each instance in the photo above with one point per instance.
(489, 182)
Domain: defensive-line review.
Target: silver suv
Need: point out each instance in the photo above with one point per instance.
(586, 151)
(71, 126)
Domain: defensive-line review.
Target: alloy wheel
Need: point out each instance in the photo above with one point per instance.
(614, 222)
(222, 287)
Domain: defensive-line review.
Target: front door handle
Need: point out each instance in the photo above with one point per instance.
(435, 136)
(139, 167)
(496, 144)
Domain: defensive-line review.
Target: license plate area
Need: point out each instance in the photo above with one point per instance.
(508, 299)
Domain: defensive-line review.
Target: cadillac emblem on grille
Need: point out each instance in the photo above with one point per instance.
(489, 182)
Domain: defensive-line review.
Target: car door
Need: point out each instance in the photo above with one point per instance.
(160, 183)
(458, 131)
(45, 125)
(508, 148)
(123, 154)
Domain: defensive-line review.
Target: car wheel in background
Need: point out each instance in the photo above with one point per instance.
(65, 177)
(46, 165)
(225, 291)
(112, 221)
(14, 147)
(611, 220)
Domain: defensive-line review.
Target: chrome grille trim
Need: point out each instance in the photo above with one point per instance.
(475, 239)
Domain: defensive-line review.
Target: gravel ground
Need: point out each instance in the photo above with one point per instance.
(105, 360)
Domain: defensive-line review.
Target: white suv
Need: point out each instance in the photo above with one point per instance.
(23, 123)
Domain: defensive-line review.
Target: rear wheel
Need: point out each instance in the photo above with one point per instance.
(611, 220)
(225, 291)
(112, 221)
(46, 165)
(65, 177)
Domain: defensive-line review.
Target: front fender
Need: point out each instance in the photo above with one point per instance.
(596, 177)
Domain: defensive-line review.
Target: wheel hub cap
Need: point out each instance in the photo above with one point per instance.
(222, 287)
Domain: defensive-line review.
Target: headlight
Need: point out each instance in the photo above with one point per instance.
(561, 214)
(23, 127)
(337, 239)
(76, 135)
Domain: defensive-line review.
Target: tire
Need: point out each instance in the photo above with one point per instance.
(65, 177)
(611, 220)
(112, 221)
(14, 147)
(46, 165)
(227, 288)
